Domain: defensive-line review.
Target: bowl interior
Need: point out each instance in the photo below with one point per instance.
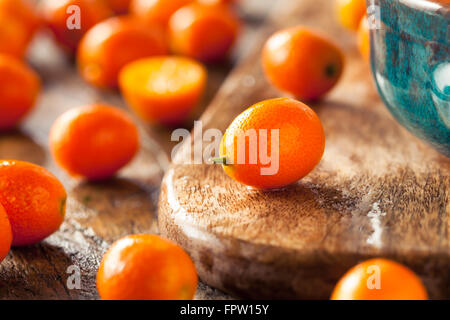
(410, 58)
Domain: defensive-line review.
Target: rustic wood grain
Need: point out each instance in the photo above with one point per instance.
(97, 213)
(378, 191)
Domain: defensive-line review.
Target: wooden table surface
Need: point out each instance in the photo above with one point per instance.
(97, 213)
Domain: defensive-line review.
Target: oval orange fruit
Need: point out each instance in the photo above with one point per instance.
(156, 11)
(163, 90)
(302, 62)
(204, 32)
(24, 12)
(119, 6)
(94, 141)
(364, 39)
(272, 144)
(69, 20)
(379, 279)
(14, 36)
(110, 45)
(350, 12)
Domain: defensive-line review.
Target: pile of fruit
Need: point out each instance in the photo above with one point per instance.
(154, 53)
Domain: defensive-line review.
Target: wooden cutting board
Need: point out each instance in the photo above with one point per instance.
(378, 191)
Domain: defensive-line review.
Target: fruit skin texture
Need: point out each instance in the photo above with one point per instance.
(156, 11)
(364, 39)
(350, 12)
(204, 32)
(93, 141)
(18, 23)
(34, 200)
(397, 282)
(5, 234)
(54, 13)
(301, 142)
(14, 36)
(113, 43)
(141, 84)
(19, 88)
(146, 267)
(302, 62)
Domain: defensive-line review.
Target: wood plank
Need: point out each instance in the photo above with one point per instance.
(378, 191)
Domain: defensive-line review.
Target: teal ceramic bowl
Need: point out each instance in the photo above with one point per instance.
(410, 58)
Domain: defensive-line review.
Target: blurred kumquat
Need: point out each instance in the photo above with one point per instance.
(24, 12)
(163, 90)
(204, 32)
(58, 14)
(379, 279)
(302, 62)
(19, 88)
(94, 141)
(5, 234)
(350, 12)
(146, 267)
(14, 37)
(119, 6)
(110, 45)
(364, 39)
(156, 11)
